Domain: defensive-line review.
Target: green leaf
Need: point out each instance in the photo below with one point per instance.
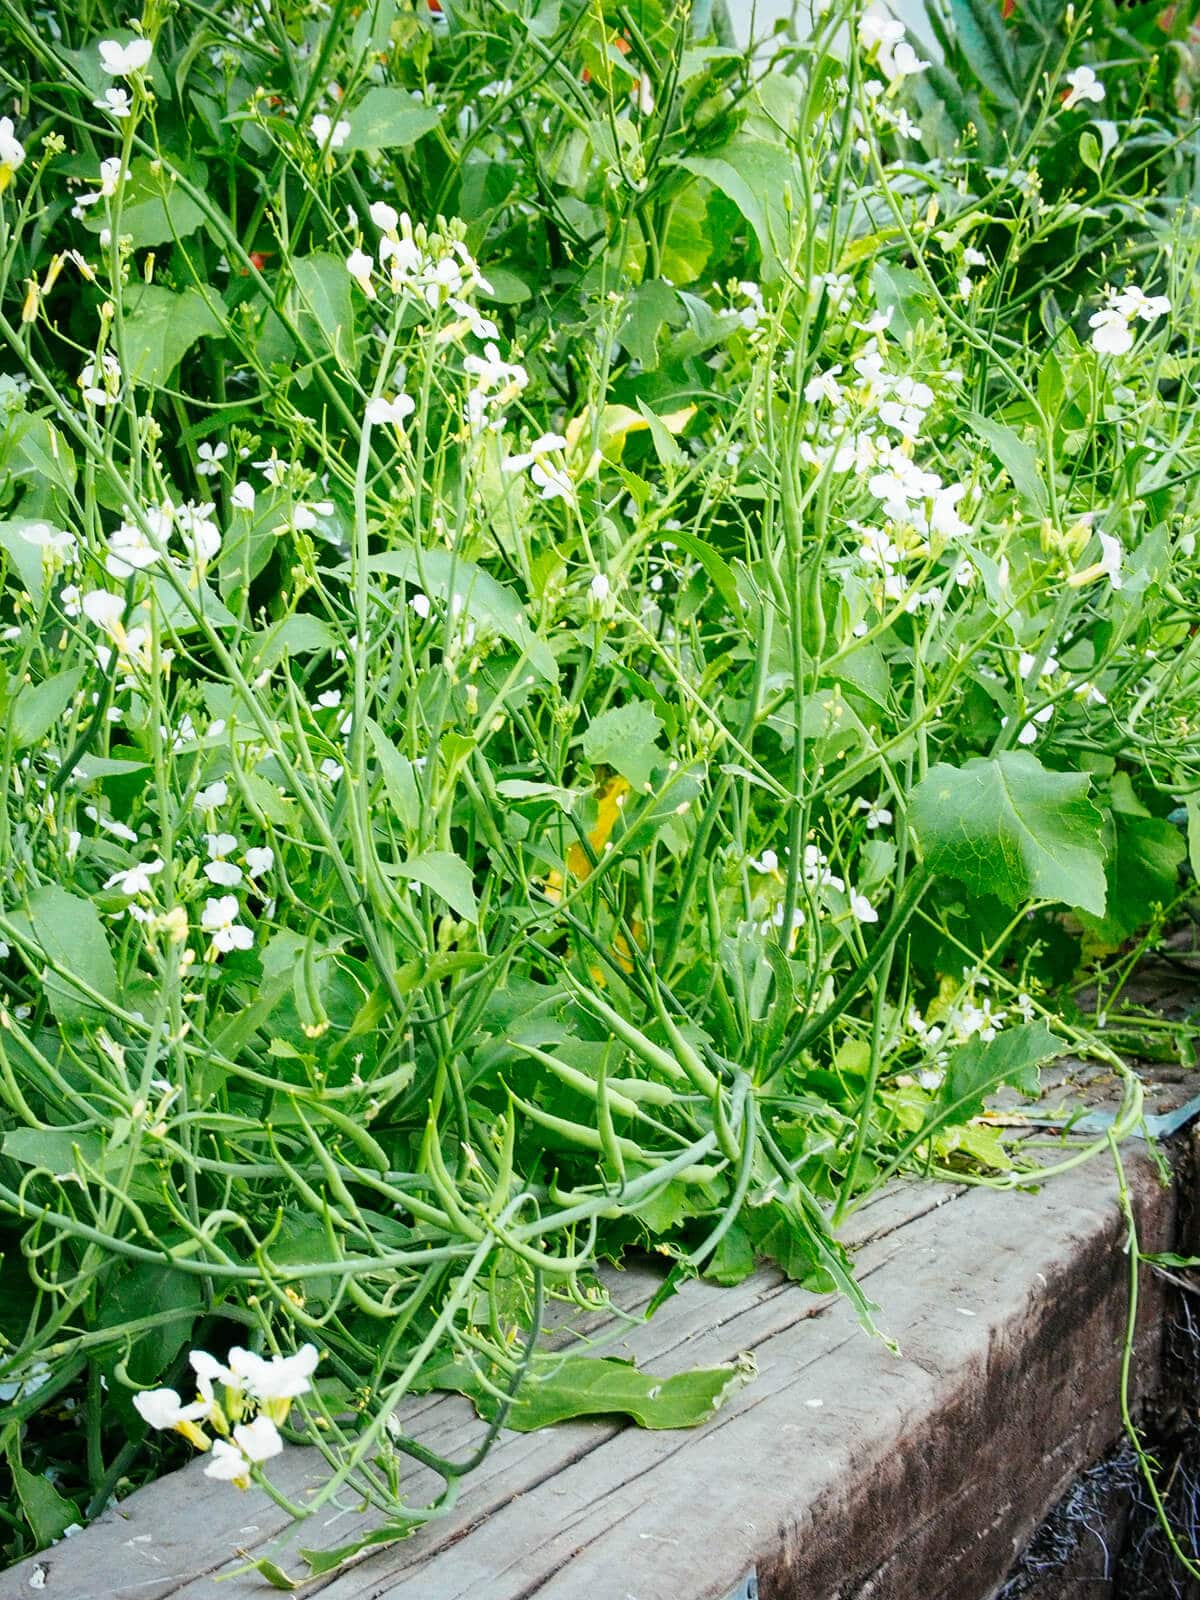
(988, 49)
(448, 876)
(487, 602)
(558, 1388)
(1017, 459)
(159, 327)
(505, 288)
(651, 306)
(69, 931)
(321, 304)
(902, 292)
(321, 1562)
(1142, 871)
(47, 1513)
(154, 208)
(756, 176)
(982, 1065)
(40, 705)
(624, 738)
(399, 776)
(388, 119)
(1007, 826)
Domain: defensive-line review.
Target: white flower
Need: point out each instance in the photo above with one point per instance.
(106, 610)
(327, 133)
(420, 604)
(219, 844)
(209, 1371)
(223, 873)
(258, 1440)
(243, 496)
(115, 102)
(70, 599)
(135, 880)
(162, 1408)
(227, 1464)
(1084, 86)
(1110, 558)
(129, 551)
(276, 1378)
(259, 860)
(1111, 333)
(219, 918)
(878, 815)
(768, 862)
(380, 411)
(876, 27)
(120, 60)
(600, 588)
(215, 795)
(862, 908)
(101, 384)
(384, 216)
(211, 457)
(905, 62)
(360, 266)
(331, 769)
(1134, 302)
(200, 532)
(12, 152)
(823, 386)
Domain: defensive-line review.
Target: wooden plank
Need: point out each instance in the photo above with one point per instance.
(832, 1436)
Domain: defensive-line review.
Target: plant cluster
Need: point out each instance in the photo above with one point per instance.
(594, 623)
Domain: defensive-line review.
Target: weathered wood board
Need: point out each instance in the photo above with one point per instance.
(840, 1471)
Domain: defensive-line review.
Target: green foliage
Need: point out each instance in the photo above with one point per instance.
(591, 620)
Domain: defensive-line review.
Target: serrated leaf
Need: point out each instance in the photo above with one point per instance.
(448, 876)
(388, 119)
(624, 738)
(982, 1065)
(1142, 871)
(1007, 826)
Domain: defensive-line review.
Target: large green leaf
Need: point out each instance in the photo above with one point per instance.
(321, 305)
(159, 327)
(989, 51)
(388, 119)
(558, 1388)
(1142, 871)
(1007, 826)
(756, 176)
(68, 930)
(155, 208)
